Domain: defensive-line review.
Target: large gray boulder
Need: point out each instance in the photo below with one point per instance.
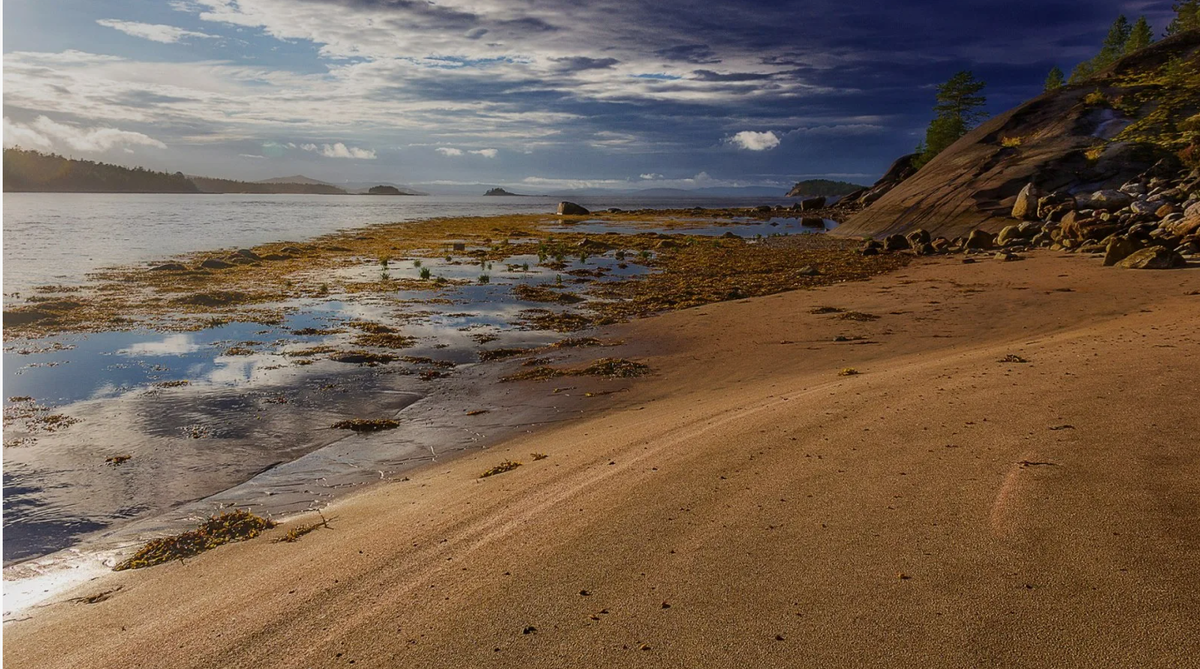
(812, 203)
(571, 209)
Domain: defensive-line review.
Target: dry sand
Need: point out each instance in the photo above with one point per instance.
(749, 507)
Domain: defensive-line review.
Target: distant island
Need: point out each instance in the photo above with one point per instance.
(385, 190)
(501, 191)
(826, 187)
(37, 172)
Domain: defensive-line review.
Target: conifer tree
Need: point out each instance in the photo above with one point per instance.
(1140, 36)
(1054, 80)
(1187, 16)
(959, 108)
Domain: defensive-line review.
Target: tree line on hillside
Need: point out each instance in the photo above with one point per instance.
(34, 171)
(211, 185)
(960, 100)
(47, 172)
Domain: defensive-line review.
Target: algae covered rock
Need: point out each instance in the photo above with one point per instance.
(1154, 257)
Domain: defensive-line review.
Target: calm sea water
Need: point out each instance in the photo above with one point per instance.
(57, 238)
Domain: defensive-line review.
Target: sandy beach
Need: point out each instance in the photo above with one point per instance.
(746, 505)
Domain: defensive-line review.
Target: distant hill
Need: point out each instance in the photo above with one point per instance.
(33, 171)
(210, 185)
(294, 179)
(501, 191)
(826, 187)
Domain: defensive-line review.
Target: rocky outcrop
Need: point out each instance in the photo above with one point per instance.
(900, 170)
(1071, 141)
(1149, 222)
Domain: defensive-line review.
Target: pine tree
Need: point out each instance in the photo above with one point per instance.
(1114, 44)
(959, 109)
(1187, 16)
(1054, 80)
(1140, 36)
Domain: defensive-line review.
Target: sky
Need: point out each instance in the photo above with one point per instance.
(534, 95)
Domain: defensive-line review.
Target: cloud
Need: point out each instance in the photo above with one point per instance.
(340, 150)
(755, 141)
(48, 135)
(451, 151)
(651, 176)
(155, 32)
(578, 63)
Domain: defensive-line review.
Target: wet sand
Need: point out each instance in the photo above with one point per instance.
(749, 506)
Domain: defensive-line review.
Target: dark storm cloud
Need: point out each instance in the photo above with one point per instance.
(709, 75)
(579, 63)
(697, 54)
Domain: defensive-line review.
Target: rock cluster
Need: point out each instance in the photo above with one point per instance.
(1151, 222)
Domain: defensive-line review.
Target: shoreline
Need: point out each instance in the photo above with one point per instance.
(168, 405)
(937, 441)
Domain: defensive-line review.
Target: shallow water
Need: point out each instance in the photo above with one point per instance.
(252, 429)
(57, 238)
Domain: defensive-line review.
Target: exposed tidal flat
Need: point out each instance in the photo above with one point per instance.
(146, 398)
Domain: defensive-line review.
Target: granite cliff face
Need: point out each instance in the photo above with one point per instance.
(1079, 139)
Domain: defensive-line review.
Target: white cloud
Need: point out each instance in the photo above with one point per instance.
(251, 155)
(486, 153)
(48, 135)
(755, 141)
(449, 151)
(340, 150)
(155, 32)
(651, 176)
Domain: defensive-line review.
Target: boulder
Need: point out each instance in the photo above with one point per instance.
(1109, 200)
(571, 209)
(213, 263)
(1166, 210)
(896, 243)
(248, 254)
(918, 237)
(980, 239)
(1143, 208)
(1010, 233)
(1118, 249)
(1153, 257)
(812, 203)
(1186, 225)
(1026, 206)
